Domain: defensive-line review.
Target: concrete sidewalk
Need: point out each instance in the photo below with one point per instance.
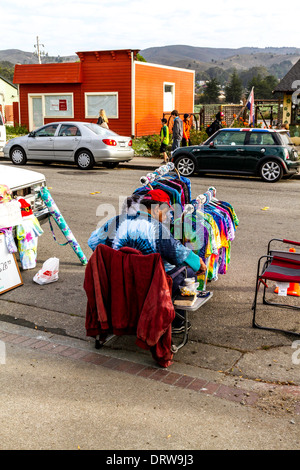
(60, 393)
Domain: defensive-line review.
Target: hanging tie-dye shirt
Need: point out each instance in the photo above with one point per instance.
(27, 235)
(147, 235)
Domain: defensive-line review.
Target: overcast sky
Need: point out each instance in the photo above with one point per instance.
(69, 26)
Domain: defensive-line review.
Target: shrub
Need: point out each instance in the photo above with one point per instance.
(147, 146)
(14, 131)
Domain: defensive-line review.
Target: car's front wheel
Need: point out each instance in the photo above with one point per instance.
(85, 160)
(185, 165)
(271, 171)
(18, 156)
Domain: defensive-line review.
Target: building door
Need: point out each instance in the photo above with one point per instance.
(36, 116)
(169, 97)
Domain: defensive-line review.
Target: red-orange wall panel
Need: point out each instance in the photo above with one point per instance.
(149, 95)
(26, 90)
(110, 74)
(99, 72)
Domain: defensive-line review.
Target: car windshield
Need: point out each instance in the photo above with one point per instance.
(98, 129)
(285, 138)
(229, 138)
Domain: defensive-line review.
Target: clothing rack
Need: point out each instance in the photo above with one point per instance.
(207, 224)
(158, 173)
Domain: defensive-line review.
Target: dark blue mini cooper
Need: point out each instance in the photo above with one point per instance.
(267, 153)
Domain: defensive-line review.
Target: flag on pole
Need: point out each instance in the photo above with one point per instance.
(250, 106)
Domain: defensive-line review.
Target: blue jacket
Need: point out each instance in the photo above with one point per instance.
(147, 235)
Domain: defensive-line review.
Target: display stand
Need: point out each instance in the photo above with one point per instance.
(10, 276)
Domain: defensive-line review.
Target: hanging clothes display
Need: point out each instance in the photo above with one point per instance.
(9, 239)
(208, 227)
(27, 234)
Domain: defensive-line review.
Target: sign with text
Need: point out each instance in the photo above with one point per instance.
(10, 276)
(63, 105)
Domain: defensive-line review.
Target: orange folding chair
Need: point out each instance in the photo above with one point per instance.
(282, 267)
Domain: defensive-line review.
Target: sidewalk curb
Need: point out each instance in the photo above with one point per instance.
(85, 353)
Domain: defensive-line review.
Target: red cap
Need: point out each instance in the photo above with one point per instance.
(25, 207)
(158, 195)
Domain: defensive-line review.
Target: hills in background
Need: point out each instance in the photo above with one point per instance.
(277, 60)
(16, 56)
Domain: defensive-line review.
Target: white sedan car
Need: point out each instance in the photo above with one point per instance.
(2, 132)
(81, 142)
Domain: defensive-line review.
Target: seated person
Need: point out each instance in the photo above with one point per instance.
(146, 232)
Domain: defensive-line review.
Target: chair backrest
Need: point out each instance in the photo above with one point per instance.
(286, 254)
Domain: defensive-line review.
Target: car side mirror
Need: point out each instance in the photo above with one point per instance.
(211, 144)
(31, 134)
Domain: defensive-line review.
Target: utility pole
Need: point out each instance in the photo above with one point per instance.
(37, 46)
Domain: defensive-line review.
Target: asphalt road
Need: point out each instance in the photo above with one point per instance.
(221, 337)
(59, 402)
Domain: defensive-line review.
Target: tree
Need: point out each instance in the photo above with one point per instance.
(247, 75)
(140, 58)
(263, 86)
(7, 70)
(211, 93)
(234, 89)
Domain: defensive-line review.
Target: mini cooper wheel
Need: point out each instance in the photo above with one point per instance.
(185, 165)
(85, 160)
(271, 171)
(18, 156)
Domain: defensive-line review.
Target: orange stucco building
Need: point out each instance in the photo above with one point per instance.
(134, 94)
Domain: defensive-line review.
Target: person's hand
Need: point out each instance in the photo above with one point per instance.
(203, 267)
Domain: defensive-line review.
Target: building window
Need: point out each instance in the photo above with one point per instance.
(169, 97)
(58, 105)
(96, 101)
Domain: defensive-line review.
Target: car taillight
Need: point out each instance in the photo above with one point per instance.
(130, 143)
(109, 142)
(286, 154)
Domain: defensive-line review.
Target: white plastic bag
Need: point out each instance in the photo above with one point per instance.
(48, 273)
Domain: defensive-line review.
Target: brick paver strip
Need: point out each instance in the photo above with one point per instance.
(231, 393)
(41, 343)
(125, 366)
(159, 374)
(48, 347)
(146, 372)
(9, 337)
(209, 388)
(184, 381)
(80, 354)
(162, 375)
(30, 342)
(18, 340)
(171, 378)
(112, 363)
(95, 358)
(68, 352)
(197, 384)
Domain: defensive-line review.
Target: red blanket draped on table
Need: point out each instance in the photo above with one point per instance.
(130, 293)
